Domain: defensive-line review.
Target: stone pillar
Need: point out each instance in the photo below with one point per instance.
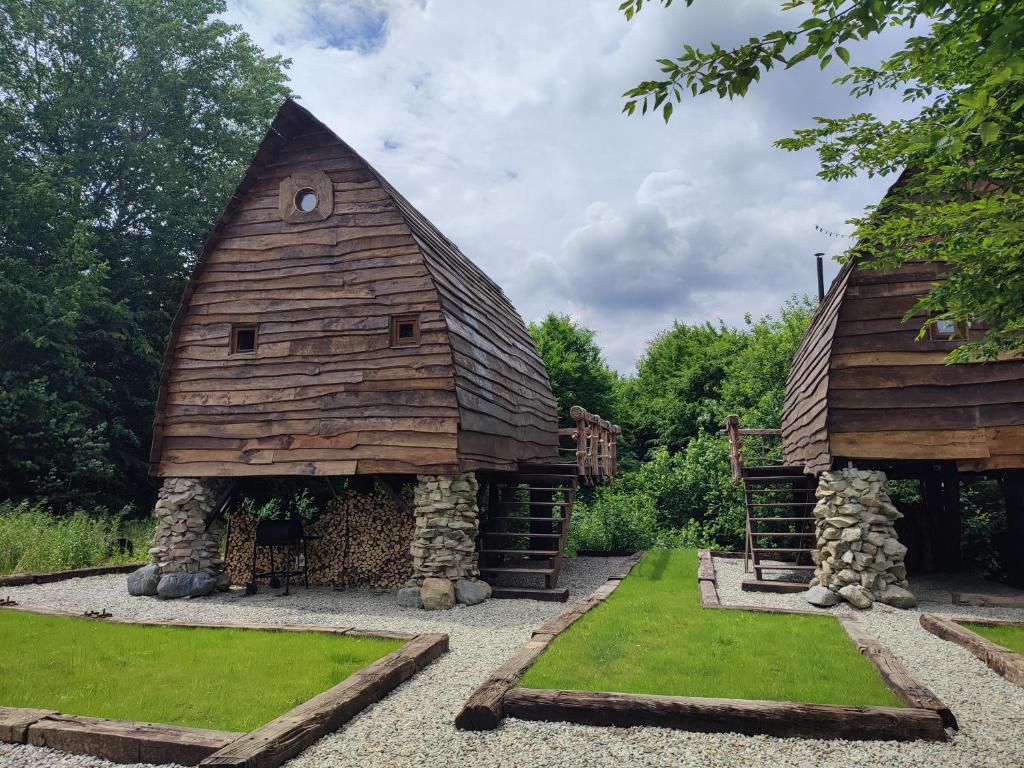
(858, 554)
(185, 558)
(444, 557)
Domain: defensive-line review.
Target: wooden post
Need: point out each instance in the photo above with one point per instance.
(732, 430)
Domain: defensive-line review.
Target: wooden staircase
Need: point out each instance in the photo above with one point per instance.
(779, 500)
(522, 539)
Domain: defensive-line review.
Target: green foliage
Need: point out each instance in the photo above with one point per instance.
(578, 373)
(205, 676)
(983, 521)
(300, 505)
(693, 376)
(687, 651)
(32, 540)
(961, 204)
(125, 125)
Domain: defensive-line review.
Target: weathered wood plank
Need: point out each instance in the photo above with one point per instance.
(900, 680)
(988, 601)
(999, 659)
(286, 736)
(14, 722)
(774, 718)
(126, 742)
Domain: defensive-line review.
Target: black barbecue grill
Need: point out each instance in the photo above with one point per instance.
(289, 535)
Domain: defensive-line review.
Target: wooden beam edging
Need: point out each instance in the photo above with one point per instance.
(117, 740)
(266, 747)
(708, 715)
(707, 582)
(21, 579)
(483, 710)
(988, 601)
(895, 675)
(1000, 660)
(286, 736)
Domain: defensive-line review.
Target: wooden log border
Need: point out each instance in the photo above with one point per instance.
(21, 579)
(268, 746)
(988, 601)
(483, 710)
(925, 717)
(1002, 661)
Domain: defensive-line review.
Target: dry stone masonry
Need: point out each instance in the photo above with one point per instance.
(859, 557)
(444, 557)
(185, 558)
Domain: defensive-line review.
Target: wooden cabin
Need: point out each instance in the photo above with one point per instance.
(329, 329)
(865, 391)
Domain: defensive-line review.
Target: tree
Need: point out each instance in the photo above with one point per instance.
(578, 373)
(959, 203)
(125, 124)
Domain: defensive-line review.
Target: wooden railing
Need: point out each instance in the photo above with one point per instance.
(736, 453)
(595, 452)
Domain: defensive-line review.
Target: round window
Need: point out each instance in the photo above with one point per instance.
(306, 200)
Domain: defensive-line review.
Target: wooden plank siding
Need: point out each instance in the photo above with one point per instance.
(326, 392)
(864, 387)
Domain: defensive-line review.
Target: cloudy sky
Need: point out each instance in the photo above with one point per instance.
(501, 122)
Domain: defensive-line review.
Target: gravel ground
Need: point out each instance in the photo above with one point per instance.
(413, 725)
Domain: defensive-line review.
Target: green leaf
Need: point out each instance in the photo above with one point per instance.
(667, 111)
(843, 54)
(989, 132)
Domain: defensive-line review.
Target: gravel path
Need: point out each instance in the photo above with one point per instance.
(413, 725)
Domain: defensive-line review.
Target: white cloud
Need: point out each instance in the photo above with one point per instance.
(501, 122)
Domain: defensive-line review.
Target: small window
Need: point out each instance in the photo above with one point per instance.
(945, 329)
(243, 339)
(306, 200)
(405, 331)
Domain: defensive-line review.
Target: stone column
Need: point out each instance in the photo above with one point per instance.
(185, 558)
(858, 555)
(444, 557)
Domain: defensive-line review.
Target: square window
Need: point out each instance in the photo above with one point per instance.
(243, 339)
(945, 329)
(405, 331)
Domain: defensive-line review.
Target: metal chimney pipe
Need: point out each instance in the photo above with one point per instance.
(821, 277)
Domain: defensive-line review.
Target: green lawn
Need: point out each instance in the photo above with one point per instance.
(225, 679)
(1008, 637)
(652, 636)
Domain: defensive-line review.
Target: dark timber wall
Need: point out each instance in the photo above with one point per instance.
(326, 392)
(863, 387)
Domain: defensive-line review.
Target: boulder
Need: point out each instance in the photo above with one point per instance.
(174, 585)
(144, 581)
(898, 597)
(409, 597)
(437, 594)
(472, 591)
(821, 597)
(894, 549)
(856, 596)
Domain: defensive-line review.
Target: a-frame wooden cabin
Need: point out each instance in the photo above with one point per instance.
(865, 391)
(329, 329)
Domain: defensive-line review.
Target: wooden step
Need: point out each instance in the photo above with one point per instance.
(784, 504)
(547, 553)
(541, 478)
(527, 593)
(778, 550)
(564, 468)
(778, 519)
(531, 534)
(783, 567)
(507, 569)
(773, 585)
(772, 479)
(783, 533)
(528, 503)
(530, 518)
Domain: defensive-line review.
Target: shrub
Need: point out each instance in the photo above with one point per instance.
(33, 540)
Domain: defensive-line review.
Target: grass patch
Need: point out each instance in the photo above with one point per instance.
(1011, 638)
(225, 679)
(652, 636)
(33, 540)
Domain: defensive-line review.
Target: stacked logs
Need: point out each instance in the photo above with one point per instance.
(364, 542)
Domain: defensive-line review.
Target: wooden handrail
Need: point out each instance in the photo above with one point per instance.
(596, 449)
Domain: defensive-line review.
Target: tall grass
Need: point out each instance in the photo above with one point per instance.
(33, 540)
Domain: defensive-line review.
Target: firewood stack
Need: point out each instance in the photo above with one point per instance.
(364, 542)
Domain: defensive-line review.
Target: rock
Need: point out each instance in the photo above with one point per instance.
(222, 580)
(856, 596)
(821, 597)
(842, 521)
(174, 585)
(409, 597)
(144, 581)
(850, 534)
(437, 594)
(472, 591)
(894, 549)
(898, 597)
